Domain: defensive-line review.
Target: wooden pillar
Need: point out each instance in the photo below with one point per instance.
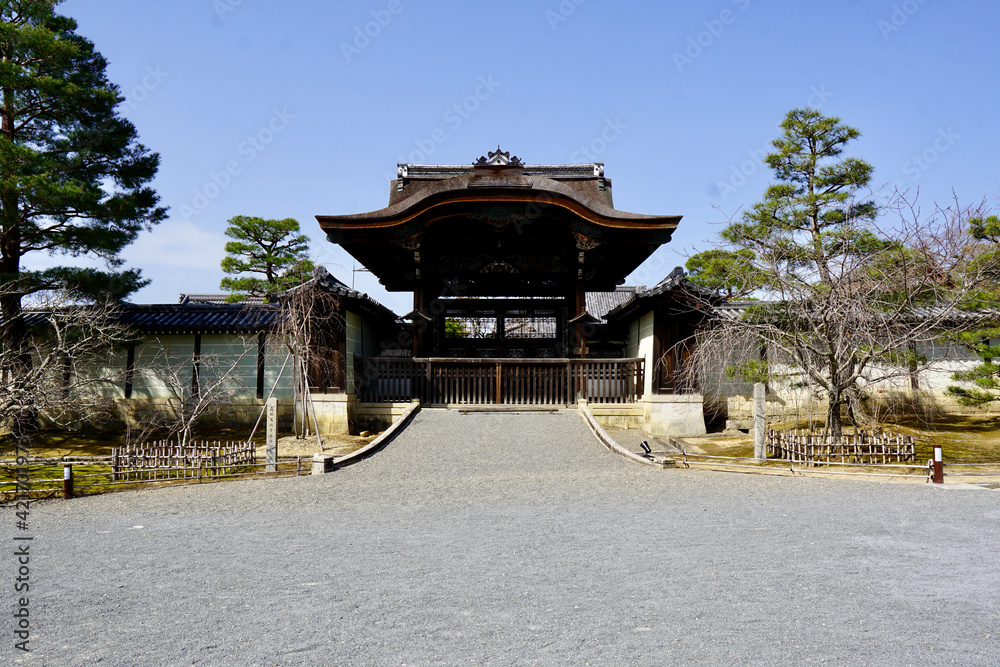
(418, 330)
(196, 367)
(261, 356)
(129, 370)
(656, 371)
(423, 330)
(580, 346)
(579, 306)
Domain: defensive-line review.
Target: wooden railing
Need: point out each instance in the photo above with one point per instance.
(499, 381)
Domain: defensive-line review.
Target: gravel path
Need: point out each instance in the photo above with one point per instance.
(515, 540)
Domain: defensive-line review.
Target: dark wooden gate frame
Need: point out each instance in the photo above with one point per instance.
(451, 381)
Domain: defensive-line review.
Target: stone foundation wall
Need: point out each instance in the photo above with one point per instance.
(678, 415)
(338, 414)
(377, 417)
(618, 416)
(662, 415)
(137, 412)
(797, 407)
(332, 414)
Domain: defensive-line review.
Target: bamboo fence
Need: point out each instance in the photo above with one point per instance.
(165, 460)
(861, 448)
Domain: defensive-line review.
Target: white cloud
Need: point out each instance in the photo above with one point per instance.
(177, 244)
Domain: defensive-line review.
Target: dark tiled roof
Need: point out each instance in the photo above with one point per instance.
(553, 171)
(320, 276)
(600, 304)
(188, 299)
(676, 279)
(735, 310)
(325, 279)
(210, 314)
(174, 318)
(201, 318)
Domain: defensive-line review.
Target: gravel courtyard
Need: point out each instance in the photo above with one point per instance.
(514, 539)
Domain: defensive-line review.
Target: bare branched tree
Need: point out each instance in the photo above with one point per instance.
(864, 323)
(310, 322)
(194, 388)
(71, 373)
(851, 285)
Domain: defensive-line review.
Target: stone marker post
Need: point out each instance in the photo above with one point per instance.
(759, 422)
(272, 435)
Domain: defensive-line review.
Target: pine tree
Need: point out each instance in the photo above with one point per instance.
(273, 249)
(73, 177)
(727, 273)
(980, 386)
(808, 245)
(849, 298)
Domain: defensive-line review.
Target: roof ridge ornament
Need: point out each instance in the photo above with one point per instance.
(498, 158)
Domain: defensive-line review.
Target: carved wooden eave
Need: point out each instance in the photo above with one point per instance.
(500, 226)
(415, 315)
(498, 158)
(584, 318)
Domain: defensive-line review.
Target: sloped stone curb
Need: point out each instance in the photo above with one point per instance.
(323, 463)
(612, 444)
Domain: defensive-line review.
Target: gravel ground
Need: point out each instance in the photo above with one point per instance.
(514, 540)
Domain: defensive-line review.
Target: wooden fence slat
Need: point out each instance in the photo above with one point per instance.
(164, 460)
(860, 448)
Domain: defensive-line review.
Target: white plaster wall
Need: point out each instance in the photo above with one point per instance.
(275, 354)
(645, 348)
(229, 363)
(360, 343)
(159, 359)
(355, 345)
(103, 377)
(632, 345)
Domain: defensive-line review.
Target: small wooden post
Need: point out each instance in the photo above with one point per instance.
(272, 435)
(938, 465)
(67, 481)
(499, 394)
(759, 422)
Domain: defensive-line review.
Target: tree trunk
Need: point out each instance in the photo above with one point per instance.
(834, 424)
(14, 351)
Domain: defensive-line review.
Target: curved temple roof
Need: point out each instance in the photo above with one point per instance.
(543, 227)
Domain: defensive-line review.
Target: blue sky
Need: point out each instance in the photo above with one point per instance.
(299, 108)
